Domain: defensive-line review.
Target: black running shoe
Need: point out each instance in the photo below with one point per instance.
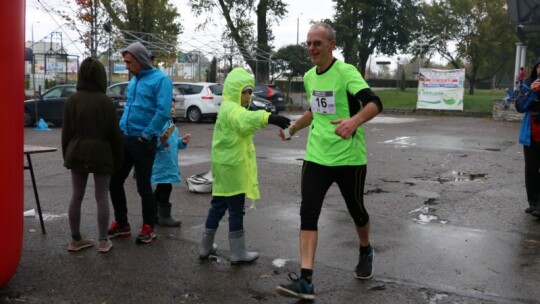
(299, 288)
(364, 269)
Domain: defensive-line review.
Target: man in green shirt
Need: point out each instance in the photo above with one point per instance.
(341, 102)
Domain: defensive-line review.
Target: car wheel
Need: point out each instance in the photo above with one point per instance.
(194, 114)
(28, 119)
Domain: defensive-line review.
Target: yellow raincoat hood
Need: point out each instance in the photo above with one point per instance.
(234, 165)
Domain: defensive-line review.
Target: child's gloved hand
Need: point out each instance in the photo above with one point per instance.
(280, 121)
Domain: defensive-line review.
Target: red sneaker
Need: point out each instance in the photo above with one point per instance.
(119, 230)
(146, 235)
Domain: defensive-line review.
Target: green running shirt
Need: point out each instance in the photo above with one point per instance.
(330, 95)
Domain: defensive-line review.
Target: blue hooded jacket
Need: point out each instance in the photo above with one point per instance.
(165, 169)
(148, 98)
(524, 107)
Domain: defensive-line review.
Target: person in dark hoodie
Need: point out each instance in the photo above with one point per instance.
(147, 110)
(529, 137)
(91, 143)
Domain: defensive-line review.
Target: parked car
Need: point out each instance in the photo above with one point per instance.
(201, 100)
(259, 103)
(271, 92)
(50, 105)
(121, 90)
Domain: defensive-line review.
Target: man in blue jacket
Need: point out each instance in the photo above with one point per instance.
(147, 109)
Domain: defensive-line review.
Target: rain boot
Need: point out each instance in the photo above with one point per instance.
(536, 210)
(207, 246)
(531, 208)
(165, 218)
(239, 254)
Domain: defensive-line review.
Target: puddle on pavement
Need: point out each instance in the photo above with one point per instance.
(50, 216)
(462, 176)
(458, 176)
(445, 142)
(283, 156)
(279, 262)
(426, 215)
(431, 201)
(400, 142)
(392, 120)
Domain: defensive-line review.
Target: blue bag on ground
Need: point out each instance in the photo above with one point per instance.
(42, 125)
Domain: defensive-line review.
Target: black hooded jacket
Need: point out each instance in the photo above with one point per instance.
(91, 138)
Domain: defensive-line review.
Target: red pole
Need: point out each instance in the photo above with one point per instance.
(12, 133)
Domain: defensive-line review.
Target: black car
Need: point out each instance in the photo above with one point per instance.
(271, 92)
(259, 103)
(50, 105)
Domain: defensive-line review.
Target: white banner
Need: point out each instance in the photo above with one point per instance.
(440, 89)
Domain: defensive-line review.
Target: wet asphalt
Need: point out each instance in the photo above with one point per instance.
(445, 194)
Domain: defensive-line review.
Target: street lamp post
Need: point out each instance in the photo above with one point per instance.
(34, 74)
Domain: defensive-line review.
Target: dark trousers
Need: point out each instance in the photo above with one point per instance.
(141, 157)
(317, 179)
(220, 204)
(162, 195)
(532, 171)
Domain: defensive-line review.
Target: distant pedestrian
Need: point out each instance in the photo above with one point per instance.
(341, 103)
(146, 111)
(166, 171)
(529, 137)
(91, 143)
(234, 166)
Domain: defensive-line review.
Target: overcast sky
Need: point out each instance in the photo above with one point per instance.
(300, 14)
(303, 11)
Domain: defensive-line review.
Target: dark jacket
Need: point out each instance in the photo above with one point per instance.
(91, 138)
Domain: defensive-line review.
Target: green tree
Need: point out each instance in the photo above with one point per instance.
(211, 75)
(153, 22)
(240, 28)
(365, 26)
(292, 61)
(84, 16)
(471, 34)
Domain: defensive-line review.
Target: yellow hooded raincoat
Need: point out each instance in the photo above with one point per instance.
(234, 165)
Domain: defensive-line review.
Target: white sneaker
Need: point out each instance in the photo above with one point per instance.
(105, 246)
(84, 242)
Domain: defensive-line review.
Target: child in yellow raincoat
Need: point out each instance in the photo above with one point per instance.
(234, 167)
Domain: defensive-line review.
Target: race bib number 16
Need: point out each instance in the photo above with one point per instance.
(323, 102)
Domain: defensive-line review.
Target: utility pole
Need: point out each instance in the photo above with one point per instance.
(108, 28)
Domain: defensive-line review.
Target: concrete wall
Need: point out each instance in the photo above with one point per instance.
(508, 114)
